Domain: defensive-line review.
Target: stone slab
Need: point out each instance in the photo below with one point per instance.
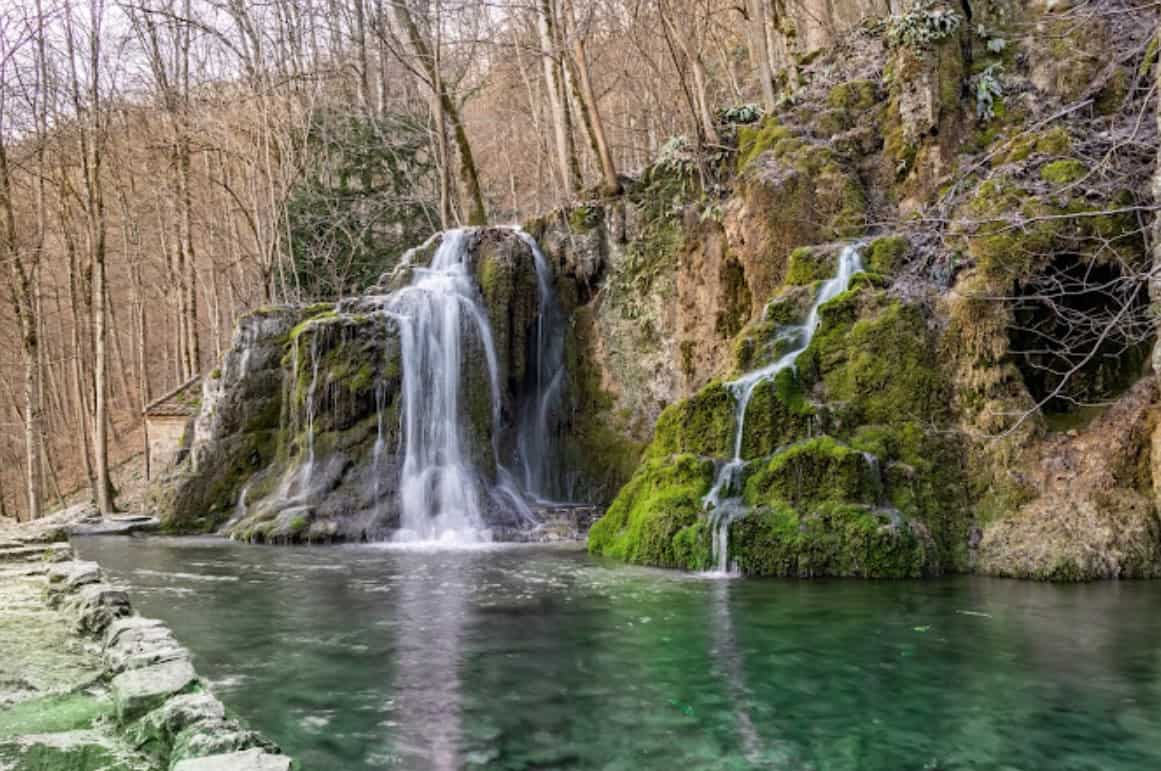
(137, 691)
(248, 760)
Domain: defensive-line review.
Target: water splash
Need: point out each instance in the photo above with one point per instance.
(723, 501)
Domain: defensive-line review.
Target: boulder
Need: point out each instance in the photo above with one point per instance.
(95, 606)
(134, 642)
(138, 691)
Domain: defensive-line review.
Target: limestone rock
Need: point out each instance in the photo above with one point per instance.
(138, 691)
(67, 577)
(95, 606)
(135, 642)
(248, 760)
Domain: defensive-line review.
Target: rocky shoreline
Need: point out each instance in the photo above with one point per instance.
(86, 684)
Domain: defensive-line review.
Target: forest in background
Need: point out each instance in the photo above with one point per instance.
(166, 165)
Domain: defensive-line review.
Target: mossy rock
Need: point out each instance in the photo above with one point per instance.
(1063, 171)
(1050, 142)
(758, 138)
(778, 331)
(812, 472)
(777, 415)
(1017, 232)
(854, 95)
(874, 359)
(809, 264)
(887, 254)
(659, 504)
(827, 540)
(585, 219)
(703, 424)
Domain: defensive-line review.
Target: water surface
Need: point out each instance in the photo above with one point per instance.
(532, 657)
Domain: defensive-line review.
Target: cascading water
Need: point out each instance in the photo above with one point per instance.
(723, 501)
(535, 441)
(440, 316)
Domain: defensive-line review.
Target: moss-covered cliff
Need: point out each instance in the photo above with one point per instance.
(1003, 307)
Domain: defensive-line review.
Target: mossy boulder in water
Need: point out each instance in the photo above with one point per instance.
(651, 519)
(832, 539)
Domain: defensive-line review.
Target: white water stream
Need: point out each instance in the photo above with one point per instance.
(724, 498)
(443, 495)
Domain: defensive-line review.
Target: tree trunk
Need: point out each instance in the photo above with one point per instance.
(22, 295)
(556, 101)
(469, 175)
(612, 185)
(760, 53)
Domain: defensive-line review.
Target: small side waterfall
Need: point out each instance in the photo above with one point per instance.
(724, 498)
(535, 443)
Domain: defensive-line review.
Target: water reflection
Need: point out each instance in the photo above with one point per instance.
(430, 616)
(727, 659)
(359, 658)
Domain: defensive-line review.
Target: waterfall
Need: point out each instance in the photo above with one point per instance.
(441, 320)
(724, 500)
(311, 414)
(534, 444)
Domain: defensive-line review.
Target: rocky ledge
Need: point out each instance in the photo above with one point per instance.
(86, 684)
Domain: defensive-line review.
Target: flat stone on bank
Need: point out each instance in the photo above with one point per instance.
(248, 760)
(134, 642)
(138, 691)
(67, 576)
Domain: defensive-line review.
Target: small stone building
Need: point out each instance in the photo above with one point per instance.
(169, 426)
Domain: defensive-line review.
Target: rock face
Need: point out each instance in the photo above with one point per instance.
(300, 438)
(954, 143)
(914, 435)
(87, 686)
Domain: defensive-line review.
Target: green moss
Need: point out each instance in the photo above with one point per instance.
(758, 138)
(853, 95)
(702, 424)
(298, 524)
(1003, 248)
(778, 414)
(663, 499)
(1064, 171)
(1052, 142)
(829, 540)
(877, 361)
(1149, 61)
(814, 471)
(585, 219)
(313, 314)
(52, 714)
(1110, 98)
(808, 264)
(762, 342)
(885, 255)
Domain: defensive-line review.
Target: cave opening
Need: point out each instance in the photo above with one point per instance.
(1080, 335)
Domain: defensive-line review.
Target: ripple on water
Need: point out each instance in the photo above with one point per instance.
(514, 658)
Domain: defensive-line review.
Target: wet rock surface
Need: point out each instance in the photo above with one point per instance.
(87, 685)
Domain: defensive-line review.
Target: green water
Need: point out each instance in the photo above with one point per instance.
(542, 658)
